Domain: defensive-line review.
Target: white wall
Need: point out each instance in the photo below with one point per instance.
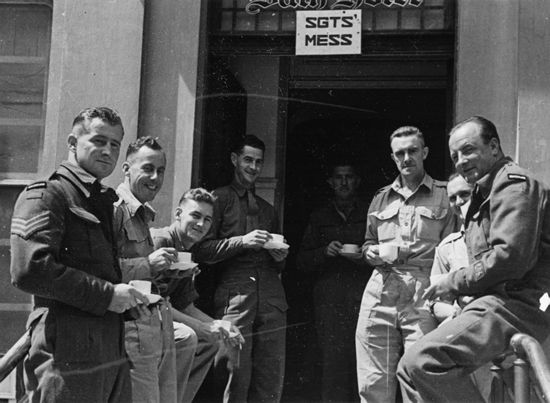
(95, 59)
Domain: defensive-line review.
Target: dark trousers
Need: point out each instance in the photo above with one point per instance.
(436, 368)
(337, 299)
(77, 359)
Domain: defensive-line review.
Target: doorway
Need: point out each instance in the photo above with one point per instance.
(324, 125)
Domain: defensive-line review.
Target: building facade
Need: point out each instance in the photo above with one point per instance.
(196, 74)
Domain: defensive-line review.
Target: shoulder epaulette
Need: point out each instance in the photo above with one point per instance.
(37, 185)
(517, 177)
(439, 183)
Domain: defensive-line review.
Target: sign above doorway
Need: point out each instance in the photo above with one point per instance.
(334, 32)
(254, 6)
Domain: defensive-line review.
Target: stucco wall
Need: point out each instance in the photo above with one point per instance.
(95, 59)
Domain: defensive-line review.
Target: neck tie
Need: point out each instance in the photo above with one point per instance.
(252, 221)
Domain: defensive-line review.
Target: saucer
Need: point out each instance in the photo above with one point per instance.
(351, 254)
(183, 266)
(153, 298)
(275, 245)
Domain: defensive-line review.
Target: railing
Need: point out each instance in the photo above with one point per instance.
(529, 353)
(14, 355)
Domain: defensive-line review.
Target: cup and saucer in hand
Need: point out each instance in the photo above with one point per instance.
(277, 241)
(144, 287)
(350, 250)
(184, 262)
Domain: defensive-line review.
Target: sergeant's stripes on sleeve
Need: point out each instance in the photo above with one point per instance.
(27, 227)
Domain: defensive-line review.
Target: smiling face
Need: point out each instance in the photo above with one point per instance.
(193, 220)
(409, 153)
(472, 157)
(95, 146)
(344, 182)
(459, 192)
(144, 172)
(248, 165)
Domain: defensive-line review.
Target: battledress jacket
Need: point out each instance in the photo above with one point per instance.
(61, 254)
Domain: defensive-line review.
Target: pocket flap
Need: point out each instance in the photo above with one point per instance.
(83, 214)
(433, 213)
(385, 214)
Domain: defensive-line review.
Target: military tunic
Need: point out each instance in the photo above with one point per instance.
(62, 252)
(508, 243)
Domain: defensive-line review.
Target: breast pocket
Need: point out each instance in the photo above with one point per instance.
(387, 224)
(430, 222)
(138, 239)
(81, 227)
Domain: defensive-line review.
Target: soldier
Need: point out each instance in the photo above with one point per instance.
(341, 279)
(249, 293)
(507, 238)
(405, 222)
(63, 252)
(197, 335)
(149, 338)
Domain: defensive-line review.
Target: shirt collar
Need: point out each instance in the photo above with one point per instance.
(485, 184)
(134, 204)
(240, 189)
(427, 181)
(78, 177)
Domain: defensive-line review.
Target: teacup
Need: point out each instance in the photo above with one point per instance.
(350, 248)
(277, 238)
(184, 257)
(388, 252)
(143, 286)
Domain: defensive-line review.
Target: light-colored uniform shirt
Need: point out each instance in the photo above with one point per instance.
(131, 225)
(417, 222)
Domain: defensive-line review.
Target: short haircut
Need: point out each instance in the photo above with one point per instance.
(452, 176)
(248, 140)
(146, 141)
(488, 128)
(340, 163)
(405, 131)
(104, 113)
(199, 195)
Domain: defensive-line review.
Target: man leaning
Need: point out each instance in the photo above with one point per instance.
(63, 252)
(507, 234)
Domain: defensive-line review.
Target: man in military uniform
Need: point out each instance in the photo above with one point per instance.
(198, 336)
(451, 253)
(508, 243)
(63, 252)
(250, 293)
(405, 222)
(149, 338)
(341, 279)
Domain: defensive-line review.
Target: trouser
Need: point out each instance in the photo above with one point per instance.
(436, 368)
(76, 358)
(337, 299)
(194, 356)
(150, 346)
(257, 306)
(393, 316)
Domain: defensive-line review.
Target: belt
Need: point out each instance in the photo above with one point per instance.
(405, 268)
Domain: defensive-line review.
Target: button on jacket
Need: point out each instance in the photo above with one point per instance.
(508, 237)
(417, 223)
(61, 253)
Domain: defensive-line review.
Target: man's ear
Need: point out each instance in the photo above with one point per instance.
(495, 146)
(330, 182)
(234, 158)
(71, 142)
(126, 168)
(177, 213)
(425, 152)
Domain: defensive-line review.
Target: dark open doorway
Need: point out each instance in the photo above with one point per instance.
(323, 123)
